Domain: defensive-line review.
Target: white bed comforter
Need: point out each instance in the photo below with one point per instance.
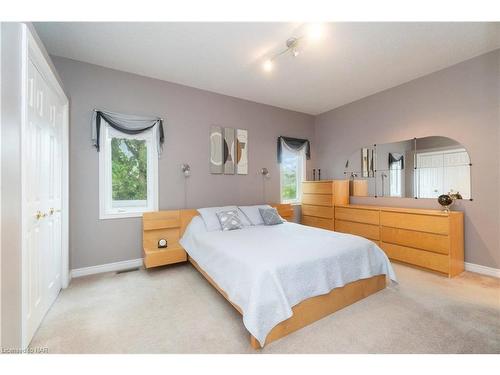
(266, 270)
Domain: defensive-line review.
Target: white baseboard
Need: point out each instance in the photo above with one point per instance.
(126, 264)
(108, 267)
(495, 272)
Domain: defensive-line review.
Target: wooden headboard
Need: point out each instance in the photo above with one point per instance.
(186, 217)
(285, 210)
(181, 218)
(170, 225)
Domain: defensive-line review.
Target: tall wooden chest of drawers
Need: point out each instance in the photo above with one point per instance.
(319, 199)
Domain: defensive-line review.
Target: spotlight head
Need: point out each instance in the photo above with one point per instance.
(267, 65)
(314, 31)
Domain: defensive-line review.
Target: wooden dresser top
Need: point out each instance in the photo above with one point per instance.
(317, 182)
(418, 211)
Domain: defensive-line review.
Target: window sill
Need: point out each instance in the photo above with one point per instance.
(293, 203)
(122, 215)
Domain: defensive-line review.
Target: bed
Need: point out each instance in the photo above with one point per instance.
(284, 277)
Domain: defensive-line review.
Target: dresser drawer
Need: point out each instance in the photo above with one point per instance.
(160, 257)
(357, 215)
(427, 241)
(421, 258)
(423, 223)
(317, 187)
(318, 199)
(359, 229)
(317, 222)
(318, 211)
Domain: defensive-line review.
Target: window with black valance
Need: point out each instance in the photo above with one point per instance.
(396, 158)
(295, 144)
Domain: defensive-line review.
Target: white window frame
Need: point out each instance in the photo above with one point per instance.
(106, 210)
(395, 177)
(301, 172)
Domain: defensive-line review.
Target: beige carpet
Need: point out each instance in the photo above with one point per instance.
(174, 310)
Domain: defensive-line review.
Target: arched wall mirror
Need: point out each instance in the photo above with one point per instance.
(415, 168)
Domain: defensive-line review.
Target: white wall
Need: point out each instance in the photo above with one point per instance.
(11, 196)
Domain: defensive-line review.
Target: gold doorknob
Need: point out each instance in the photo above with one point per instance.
(39, 215)
(51, 211)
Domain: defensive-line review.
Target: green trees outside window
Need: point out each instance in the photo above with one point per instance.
(289, 178)
(129, 169)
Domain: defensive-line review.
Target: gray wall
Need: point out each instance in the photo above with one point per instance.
(189, 113)
(462, 102)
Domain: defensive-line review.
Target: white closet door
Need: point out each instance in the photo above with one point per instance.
(430, 175)
(457, 173)
(34, 200)
(43, 165)
(53, 276)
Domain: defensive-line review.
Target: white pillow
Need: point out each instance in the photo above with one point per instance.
(209, 216)
(252, 213)
(244, 219)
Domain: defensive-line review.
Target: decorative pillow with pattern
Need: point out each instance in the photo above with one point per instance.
(229, 220)
(270, 216)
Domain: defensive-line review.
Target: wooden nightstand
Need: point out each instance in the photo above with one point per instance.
(162, 225)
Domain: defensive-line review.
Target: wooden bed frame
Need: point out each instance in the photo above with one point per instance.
(309, 310)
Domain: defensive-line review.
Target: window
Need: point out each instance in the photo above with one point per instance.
(395, 178)
(128, 173)
(292, 171)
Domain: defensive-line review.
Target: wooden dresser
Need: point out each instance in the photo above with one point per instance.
(429, 239)
(319, 199)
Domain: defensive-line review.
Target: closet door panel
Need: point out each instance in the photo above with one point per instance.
(54, 165)
(42, 187)
(35, 190)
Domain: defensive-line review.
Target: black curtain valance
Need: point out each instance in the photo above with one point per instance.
(128, 124)
(395, 157)
(295, 144)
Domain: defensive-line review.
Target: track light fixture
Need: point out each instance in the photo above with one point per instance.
(313, 32)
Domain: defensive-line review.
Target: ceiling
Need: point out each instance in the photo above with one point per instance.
(351, 61)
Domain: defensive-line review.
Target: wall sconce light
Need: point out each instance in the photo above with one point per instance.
(186, 170)
(265, 176)
(265, 173)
